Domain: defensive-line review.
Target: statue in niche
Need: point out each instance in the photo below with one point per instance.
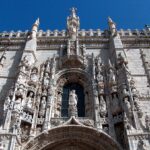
(29, 118)
(111, 76)
(21, 79)
(30, 100)
(44, 90)
(98, 60)
(100, 77)
(141, 145)
(137, 106)
(24, 102)
(127, 104)
(125, 92)
(134, 91)
(46, 79)
(24, 64)
(121, 59)
(103, 109)
(19, 92)
(136, 102)
(17, 104)
(99, 66)
(42, 106)
(7, 103)
(126, 121)
(34, 76)
(73, 99)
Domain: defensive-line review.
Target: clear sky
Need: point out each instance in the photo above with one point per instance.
(20, 14)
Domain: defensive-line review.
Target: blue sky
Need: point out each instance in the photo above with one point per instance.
(20, 14)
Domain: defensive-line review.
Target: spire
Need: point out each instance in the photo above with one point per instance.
(35, 28)
(112, 27)
(73, 24)
(110, 20)
(36, 24)
(73, 12)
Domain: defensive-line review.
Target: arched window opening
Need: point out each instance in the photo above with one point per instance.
(79, 90)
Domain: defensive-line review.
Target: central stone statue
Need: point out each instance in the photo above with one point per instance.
(73, 100)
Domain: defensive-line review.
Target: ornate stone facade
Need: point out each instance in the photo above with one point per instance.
(75, 89)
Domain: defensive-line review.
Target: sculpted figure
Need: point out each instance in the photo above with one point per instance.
(24, 64)
(42, 106)
(20, 91)
(21, 79)
(7, 103)
(73, 99)
(99, 65)
(17, 105)
(121, 59)
(111, 76)
(30, 100)
(24, 102)
(46, 79)
(103, 109)
(34, 76)
(43, 103)
(100, 77)
(137, 106)
(127, 103)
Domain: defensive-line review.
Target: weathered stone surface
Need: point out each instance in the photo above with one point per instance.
(109, 72)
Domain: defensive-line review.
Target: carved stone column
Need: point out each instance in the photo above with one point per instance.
(49, 106)
(35, 116)
(95, 96)
(50, 98)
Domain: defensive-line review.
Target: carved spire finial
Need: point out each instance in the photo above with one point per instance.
(73, 12)
(73, 24)
(112, 27)
(37, 22)
(35, 28)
